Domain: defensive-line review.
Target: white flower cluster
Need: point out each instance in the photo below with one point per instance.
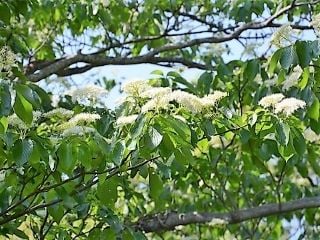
(15, 121)
(185, 99)
(135, 88)
(124, 120)
(80, 119)
(271, 100)
(289, 105)
(213, 99)
(155, 92)
(280, 104)
(293, 78)
(218, 142)
(310, 135)
(217, 221)
(87, 93)
(59, 112)
(282, 34)
(78, 130)
(316, 23)
(7, 59)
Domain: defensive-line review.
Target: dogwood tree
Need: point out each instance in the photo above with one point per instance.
(233, 154)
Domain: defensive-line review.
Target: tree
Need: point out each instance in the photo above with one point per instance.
(234, 154)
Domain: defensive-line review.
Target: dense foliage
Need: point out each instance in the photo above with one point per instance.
(244, 135)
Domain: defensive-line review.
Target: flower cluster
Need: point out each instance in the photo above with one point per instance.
(15, 121)
(310, 135)
(289, 105)
(187, 100)
(213, 99)
(78, 130)
(135, 88)
(7, 60)
(79, 120)
(271, 100)
(59, 112)
(293, 78)
(218, 142)
(87, 93)
(124, 120)
(283, 105)
(282, 34)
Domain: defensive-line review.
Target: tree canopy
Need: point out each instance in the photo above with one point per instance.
(234, 154)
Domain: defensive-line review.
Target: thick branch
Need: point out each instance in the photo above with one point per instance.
(168, 221)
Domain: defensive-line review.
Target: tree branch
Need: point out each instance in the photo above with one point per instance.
(61, 67)
(168, 221)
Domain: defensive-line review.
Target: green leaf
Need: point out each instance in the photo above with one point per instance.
(23, 109)
(304, 52)
(117, 153)
(107, 192)
(22, 151)
(274, 60)
(155, 184)
(35, 155)
(287, 57)
(177, 78)
(5, 13)
(299, 142)
(3, 125)
(314, 110)
(155, 138)
(305, 77)
(282, 133)
(56, 212)
(67, 162)
(251, 70)
(5, 100)
(204, 83)
(20, 234)
(82, 153)
(29, 94)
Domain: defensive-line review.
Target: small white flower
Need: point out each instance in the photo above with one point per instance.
(88, 92)
(7, 59)
(213, 99)
(124, 120)
(135, 87)
(155, 92)
(78, 130)
(271, 100)
(217, 142)
(160, 102)
(15, 121)
(310, 135)
(59, 112)
(289, 105)
(187, 100)
(217, 221)
(282, 34)
(80, 119)
(105, 3)
(316, 23)
(293, 78)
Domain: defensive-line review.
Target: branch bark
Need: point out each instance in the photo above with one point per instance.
(168, 221)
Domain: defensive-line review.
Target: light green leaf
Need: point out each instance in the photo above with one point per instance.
(155, 184)
(282, 133)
